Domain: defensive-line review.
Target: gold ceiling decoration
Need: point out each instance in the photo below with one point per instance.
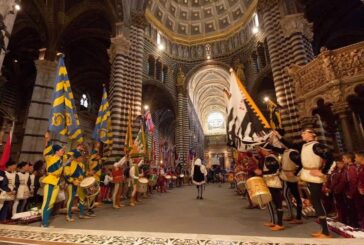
(193, 22)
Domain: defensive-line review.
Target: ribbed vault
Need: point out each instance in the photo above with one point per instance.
(206, 91)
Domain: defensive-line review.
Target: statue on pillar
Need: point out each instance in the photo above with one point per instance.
(181, 78)
(239, 69)
(3, 33)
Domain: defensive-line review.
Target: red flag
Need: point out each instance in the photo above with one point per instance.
(6, 153)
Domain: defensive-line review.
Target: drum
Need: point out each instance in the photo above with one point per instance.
(174, 177)
(230, 178)
(142, 185)
(4, 196)
(168, 177)
(258, 191)
(181, 176)
(90, 187)
(152, 180)
(240, 178)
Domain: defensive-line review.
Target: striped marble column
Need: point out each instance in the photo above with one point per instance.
(186, 128)
(179, 124)
(37, 120)
(287, 39)
(126, 56)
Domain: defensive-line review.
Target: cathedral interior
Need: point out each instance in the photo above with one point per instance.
(173, 57)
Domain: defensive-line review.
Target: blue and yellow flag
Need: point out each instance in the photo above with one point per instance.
(63, 119)
(103, 130)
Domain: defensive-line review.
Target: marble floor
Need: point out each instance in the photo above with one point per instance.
(176, 217)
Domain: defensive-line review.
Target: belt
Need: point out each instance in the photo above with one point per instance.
(311, 168)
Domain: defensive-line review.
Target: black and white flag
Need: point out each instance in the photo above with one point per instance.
(246, 125)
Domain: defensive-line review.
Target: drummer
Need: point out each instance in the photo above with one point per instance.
(95, 166)
(10, 185)
(270, 172)
(134, 177)
(74, 172)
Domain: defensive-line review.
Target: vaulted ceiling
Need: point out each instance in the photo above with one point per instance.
(206, 91)
(195, 21)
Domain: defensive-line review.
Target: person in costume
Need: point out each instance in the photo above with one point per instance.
(9, 187)
(95, 166)
(162, 181)
(290, 167)
(134, 178)
(336, 185)
(314, 172)
(359, 159)
(53, 155)
(23, 192)
(74, 173)
(351, 190)
(118, 180)
(270, 173)
(198, 175)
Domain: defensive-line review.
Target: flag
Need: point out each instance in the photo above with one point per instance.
(64, 119)
(275, 119)
(129, 135)
(149, 122)
(103, 131)
(139, 146)
(246, 125)
(7, 149)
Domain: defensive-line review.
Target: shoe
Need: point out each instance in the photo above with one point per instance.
(269, 224)
(277, 228)
(197, 197)
(296, 222)
(315, 234)
(323, 236)
(69, 219)
(132, 204)
(116, 207)
(83, 217)
(46, 226)
(91, 214)
(121, 205)
(201, 198)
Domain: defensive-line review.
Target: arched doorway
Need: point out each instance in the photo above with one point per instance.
(162, 108)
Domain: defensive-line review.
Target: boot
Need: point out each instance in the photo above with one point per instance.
(132, 202)
(325, 228)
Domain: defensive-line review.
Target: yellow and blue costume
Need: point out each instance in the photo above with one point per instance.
(95, 165)
(54, 168)
(73, 171)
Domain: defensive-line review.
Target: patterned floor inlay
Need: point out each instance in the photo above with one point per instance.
(37, 235)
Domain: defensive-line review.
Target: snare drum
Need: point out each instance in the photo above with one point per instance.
(230, 178)
(90, 187)
(168, 177)
(174, 177)
(258, 191)
(240, 178)
(142, 185)
(181, 176)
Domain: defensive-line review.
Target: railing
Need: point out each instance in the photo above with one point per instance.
(329, 65)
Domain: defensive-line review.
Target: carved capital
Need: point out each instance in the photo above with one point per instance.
(119, 45)
(294, 23)
(341, 108)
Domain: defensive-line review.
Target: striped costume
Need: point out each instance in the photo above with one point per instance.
(73, 172)
(54, 170)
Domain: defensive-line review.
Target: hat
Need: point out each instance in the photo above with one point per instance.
(76, 154)
(56, 148)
